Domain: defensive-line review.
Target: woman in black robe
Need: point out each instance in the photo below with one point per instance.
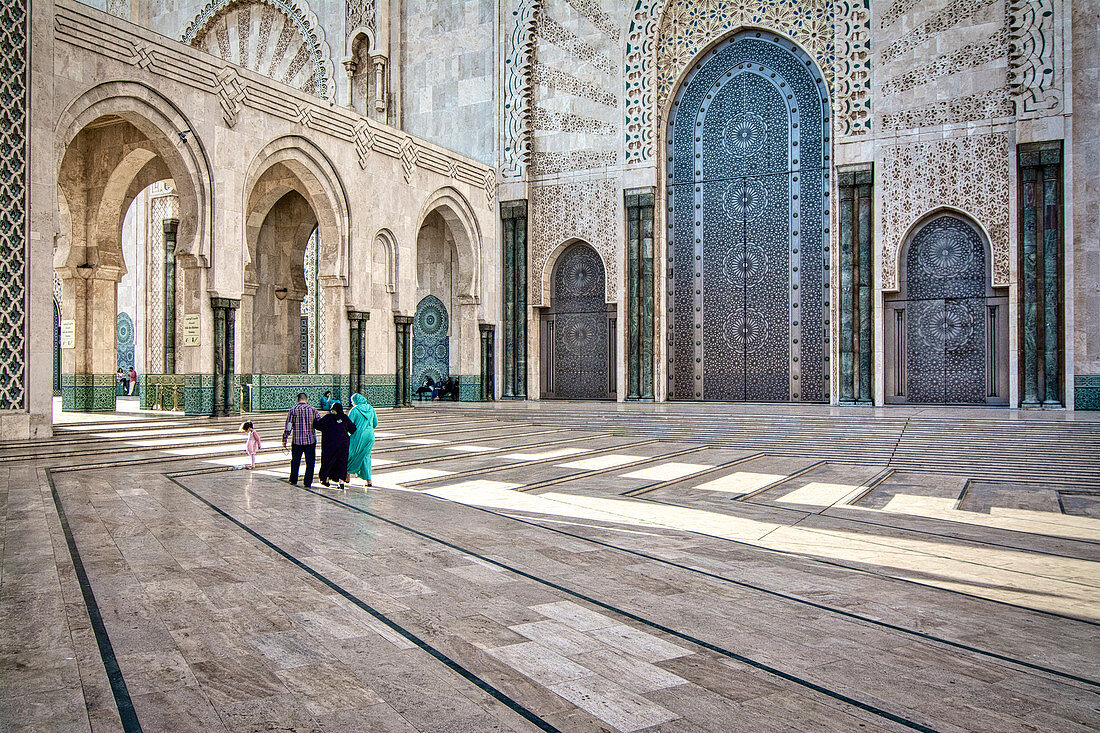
(335, 428)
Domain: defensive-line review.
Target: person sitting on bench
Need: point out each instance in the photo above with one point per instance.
(426, 388)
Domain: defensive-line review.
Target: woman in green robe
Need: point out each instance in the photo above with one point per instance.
(362, 441)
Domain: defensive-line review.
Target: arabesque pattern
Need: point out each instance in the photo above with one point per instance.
(13, 195)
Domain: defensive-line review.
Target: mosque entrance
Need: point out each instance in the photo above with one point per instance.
(946, 330)
(578, 330)
(747, 185)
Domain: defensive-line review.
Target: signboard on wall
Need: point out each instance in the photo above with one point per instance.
(67, 333)
(191, 330)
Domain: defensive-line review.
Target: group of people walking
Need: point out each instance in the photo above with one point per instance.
(346, 440)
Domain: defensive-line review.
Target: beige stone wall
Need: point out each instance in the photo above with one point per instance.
(1084, 148)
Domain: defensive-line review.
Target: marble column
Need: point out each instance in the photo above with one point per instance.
(403, 328)
(856, 265)
(488, 362)
(1041, 274)
(225, 316)
(357, 341)
(513, 216)
(170, 228)
(639, 315)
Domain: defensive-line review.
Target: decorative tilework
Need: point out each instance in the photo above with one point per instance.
(430, 343)
(947, 17)
(13, 192)
(198, 394)
(564, 83)
(300, 39)
(1086, 392)
(280, 391)
(550, 121)
(379, 389)
(88, 392)
(124, 341)
(162, 391)
(544, 164)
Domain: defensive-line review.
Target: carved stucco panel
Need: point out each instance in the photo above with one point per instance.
(587, 210)
(970, 174)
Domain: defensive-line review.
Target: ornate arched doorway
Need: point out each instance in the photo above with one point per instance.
(578, 330)
(946, 328)
(747, 184)
(431, 346)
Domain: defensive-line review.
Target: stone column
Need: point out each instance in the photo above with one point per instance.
(350, 66)
(488, 362)
(856, 264)
(358, 342)
(403, 326)
(379, 62)
(225, 311)
(513, 216)
(639, 284)
(170, 228)
(1041, 274)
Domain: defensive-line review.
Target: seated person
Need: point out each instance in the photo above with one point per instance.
(326, 401)
(450, 389)
(425, 388)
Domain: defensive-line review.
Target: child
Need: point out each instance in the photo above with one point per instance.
(253, 443)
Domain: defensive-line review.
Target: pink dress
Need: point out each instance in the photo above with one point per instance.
(253, 443)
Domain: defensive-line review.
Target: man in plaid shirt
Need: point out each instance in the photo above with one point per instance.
(299, 423)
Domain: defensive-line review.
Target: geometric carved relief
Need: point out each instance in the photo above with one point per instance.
(688, 26)
(13, 216)
(517, 88)
(231, 94)
(1034, 47)
(852, 93)
(359, 14)
(966, 57)
(970, 174)
(275, 38)
(985, 105)
(586, 210)
(953, 14)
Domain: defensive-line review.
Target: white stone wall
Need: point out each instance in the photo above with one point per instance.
(448, 74)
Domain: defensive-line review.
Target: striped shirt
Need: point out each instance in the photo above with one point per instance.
(299, 421)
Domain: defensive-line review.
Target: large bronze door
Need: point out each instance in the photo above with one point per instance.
(946, 330)
(747, 185)
(577, 332)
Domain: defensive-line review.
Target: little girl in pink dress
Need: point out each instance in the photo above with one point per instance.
(253, 443)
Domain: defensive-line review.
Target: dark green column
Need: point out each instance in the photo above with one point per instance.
(402, 327)
(513, 215)
(488, 362)
(1041, 274)
(358, 334)
(639, 306)
(170, 228)
(856, 286)
(225, 312)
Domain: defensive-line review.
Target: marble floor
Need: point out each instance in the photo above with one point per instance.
(559, 567)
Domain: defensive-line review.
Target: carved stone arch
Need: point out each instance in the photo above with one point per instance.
(548, 268)
(304, 64)
(665, 36)
(169, 135)
(456, 211)
(356, 37)
(316, 179)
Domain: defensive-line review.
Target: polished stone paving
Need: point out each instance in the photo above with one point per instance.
(571, 567)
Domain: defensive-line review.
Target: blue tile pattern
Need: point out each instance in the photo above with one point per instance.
(430, 341)
(1086, 392)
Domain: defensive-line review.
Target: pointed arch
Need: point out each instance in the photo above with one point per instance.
(169, 134)
(315, 178)
(456, 211)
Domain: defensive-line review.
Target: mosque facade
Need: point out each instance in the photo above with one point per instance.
(864, 202)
